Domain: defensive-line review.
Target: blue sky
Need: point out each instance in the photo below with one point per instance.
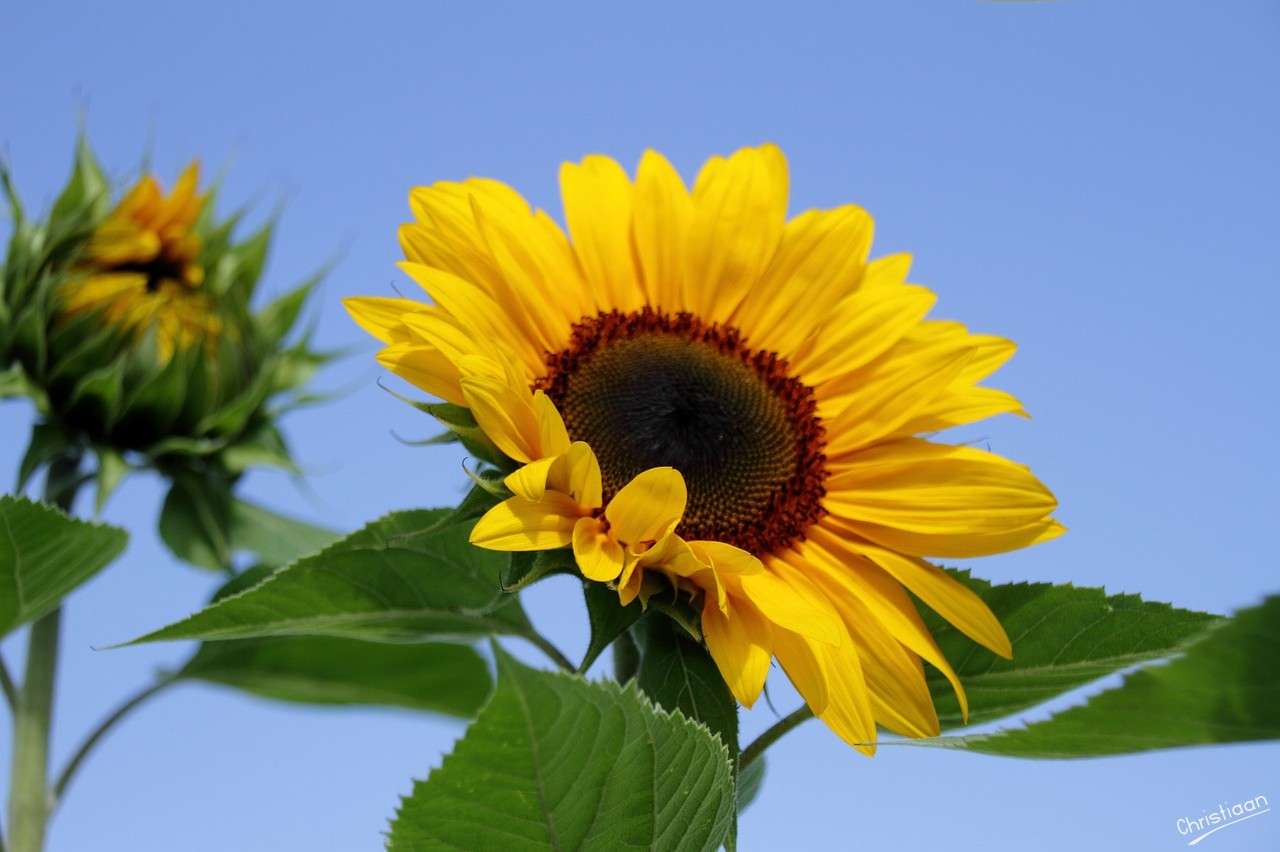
(1096, 181)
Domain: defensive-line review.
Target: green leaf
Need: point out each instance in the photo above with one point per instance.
(432, 676)
(555, 762)
(44, 555)
(437, 677)
(195, 521)
(1063, 637)
(678, 674)
(608, 618)
(274, 538)
(404, 578)
(750, 782)
(1222, 690)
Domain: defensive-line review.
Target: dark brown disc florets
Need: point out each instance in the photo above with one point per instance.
(649, 388)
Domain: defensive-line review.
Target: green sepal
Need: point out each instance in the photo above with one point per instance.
(277, 319)
(99, 396)
(529, 567)
(49, 441)
(112, 468)
(264, 446)
(607, 617)
(86, 195)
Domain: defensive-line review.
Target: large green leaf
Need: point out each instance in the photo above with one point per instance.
(555, 762)
(1062, 637)
(1224, 689)
(44, 555)
(406, 577)
(435, 676)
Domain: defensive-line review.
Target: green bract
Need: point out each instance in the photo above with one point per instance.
(202, 414)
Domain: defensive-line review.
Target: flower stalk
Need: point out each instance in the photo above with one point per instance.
(30, 802)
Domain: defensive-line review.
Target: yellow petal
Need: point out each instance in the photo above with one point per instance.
(795, 655)
(553, 438)
(829, 558)
(862, 327)
(817, 264)
(378, 315)
(740, 205)
(741, 646)
(648, 507)
(520, 524)
(475, 310)
(504, 412)
(888, 393)
(787, 599)
(895, 678)
(122, 241)
(538, 281)
(662, 210)
(848, 711)
(960, 546)
(599, 557)
(182, 206)
(141, 203)
(945, 595)
(530, 481)
(956, 408)
(887, 271)
(577, 473)
(432, 325)
(426, 368)
(597, 209)
(936, 490)
(726, 559)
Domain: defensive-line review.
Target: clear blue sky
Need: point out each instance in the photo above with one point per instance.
(1095, 180)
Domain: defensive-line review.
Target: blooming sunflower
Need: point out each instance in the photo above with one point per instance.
(140, 269)
(702, 394)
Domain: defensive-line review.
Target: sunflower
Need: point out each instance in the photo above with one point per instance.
(139, 270)
(702, 394)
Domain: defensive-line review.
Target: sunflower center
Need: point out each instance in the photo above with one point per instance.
(157, 271)
(648, 389)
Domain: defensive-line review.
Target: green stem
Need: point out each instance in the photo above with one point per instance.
(29, 799)
(29, 802)
(769, 737)
(105, 726)
(553, 653)
(626, 657)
